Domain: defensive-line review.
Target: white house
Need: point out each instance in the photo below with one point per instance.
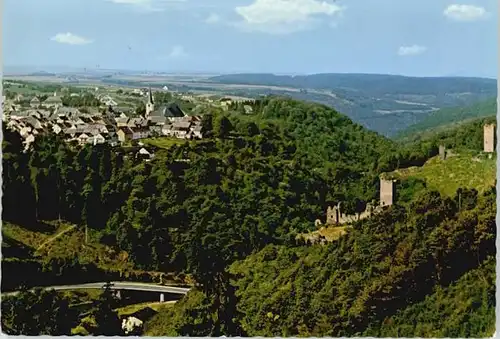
(96, 139)
(82, 138)
(130, 324)
(56, 128)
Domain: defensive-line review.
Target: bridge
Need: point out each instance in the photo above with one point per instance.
(118, 286)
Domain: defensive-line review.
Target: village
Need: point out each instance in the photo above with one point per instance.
(98, 126)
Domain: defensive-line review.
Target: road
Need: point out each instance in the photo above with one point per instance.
(117, 285)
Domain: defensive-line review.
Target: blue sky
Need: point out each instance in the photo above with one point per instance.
(421, 38)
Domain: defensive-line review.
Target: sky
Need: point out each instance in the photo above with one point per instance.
(408, 37)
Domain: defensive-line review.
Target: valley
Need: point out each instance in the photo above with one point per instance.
(383, 103)
(228, 216)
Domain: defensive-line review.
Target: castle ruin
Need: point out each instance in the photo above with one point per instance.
(387, 192)
(489, 138)
(442, 152)
(334, 215)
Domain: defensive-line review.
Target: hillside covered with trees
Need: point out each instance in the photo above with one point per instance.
(227, 210)
(448, 118)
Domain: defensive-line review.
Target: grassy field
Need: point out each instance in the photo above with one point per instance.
(331, 233)
(65, 241)
(72, 244)
(30, 238)
(163, 142)
(465, 169)
(81, 296)
(131, 309)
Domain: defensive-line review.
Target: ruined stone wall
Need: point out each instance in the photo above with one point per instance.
(489, 138)
(334, 215)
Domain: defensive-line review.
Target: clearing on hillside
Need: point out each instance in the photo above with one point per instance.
(328, 233)
(62, 240)
(155, 306)
(67, 241)
(460, 170)
(163, 142)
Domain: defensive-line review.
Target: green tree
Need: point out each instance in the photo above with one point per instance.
(37, 313)
(207, 128)
(106, 319)
(222, 127)
(252, 129)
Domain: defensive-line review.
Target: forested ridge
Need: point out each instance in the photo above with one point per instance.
(228, 208)
(447, 118)
(377, 85)
(466, 135)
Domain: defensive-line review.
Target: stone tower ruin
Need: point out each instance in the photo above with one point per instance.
(489, 138)
(442, 152)
(387, 192)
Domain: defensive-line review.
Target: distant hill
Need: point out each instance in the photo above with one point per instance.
(378, 84)
(42, 74)
(447, 118)
(384, 103)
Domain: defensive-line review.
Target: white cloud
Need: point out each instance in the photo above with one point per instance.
(70, 39)
(178, 52)
(411, 50)
(148, 5)
(284, 16)
(212, 18)
(464, 12)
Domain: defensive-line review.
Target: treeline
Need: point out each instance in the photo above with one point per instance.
(43, 312)
(469, 136)
(83, 100)
(330, 140)
(446, 117)
(465, 135)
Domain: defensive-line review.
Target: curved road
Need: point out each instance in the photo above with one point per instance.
(117, 285)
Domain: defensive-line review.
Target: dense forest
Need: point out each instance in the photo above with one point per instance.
(466, 135)
(227, 210)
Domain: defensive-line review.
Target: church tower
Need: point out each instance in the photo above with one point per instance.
(150, 106)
